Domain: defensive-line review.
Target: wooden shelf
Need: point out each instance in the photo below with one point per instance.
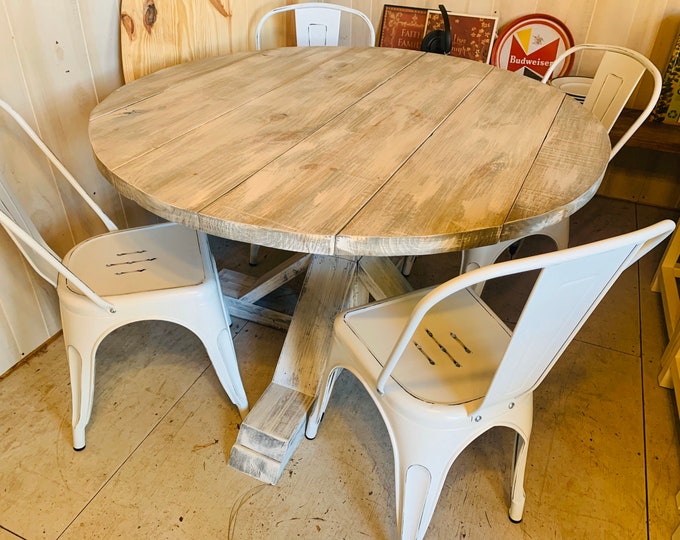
(650, 135)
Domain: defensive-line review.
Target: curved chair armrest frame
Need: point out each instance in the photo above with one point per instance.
(649, 66)
(313, 5)
(59, 165)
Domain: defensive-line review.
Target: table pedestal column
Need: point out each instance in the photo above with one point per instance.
(275, 425)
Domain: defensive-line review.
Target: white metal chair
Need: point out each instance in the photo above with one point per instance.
(159, 272)
(442, 368)
(316, 23)
(617, 76)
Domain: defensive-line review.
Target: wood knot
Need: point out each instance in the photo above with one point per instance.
(150, 14)
(217, 4)
(128, 24)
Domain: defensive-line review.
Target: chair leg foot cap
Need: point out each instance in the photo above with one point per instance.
(515, 520)
(79, 449)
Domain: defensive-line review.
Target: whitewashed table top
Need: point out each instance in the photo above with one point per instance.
(350, 151)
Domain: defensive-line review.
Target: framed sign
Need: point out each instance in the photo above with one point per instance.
(402, 27)
(530, 44)
(472, 36)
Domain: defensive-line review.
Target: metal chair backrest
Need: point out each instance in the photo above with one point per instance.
(616, 78)
(21, 229)
(316, 24)
(571, 283)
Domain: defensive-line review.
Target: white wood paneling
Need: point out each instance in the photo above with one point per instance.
(101, 35)
(54, 60)
(8, 343)
(28, 305)
(28, 308)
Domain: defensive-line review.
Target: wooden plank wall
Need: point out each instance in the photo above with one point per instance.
(60, 58)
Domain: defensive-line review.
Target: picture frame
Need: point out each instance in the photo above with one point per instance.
(404, 27)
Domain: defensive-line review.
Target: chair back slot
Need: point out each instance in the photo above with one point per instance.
(617, 77)
(317, 27)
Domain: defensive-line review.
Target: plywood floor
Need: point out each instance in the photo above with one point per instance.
(604, 460)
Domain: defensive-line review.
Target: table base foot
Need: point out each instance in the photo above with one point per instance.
(270, 433)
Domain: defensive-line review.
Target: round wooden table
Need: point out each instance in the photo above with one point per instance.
(353, 155)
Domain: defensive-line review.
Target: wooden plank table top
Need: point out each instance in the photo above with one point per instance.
(350, 151)
(352, 155)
